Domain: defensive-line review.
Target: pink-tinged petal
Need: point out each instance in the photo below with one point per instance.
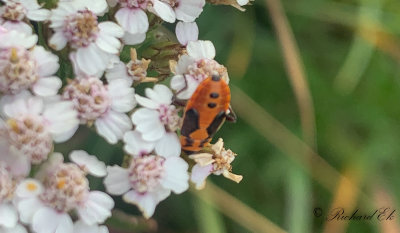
(117, 180)
(136, 145)
(38, 15)
(200, 174)
(99, 7)
(8, 215)
(164, 11)
(47, 86)
(113, 125)
(169, 145)
(58, 41)
(89, 162)
(183, 63)
(132, 20)
(191, 87)
(186, 32)
(46, 61)
(160, 94)
(64, 136)
(175, 176)
(60, 222)
(146, 202)
(96, 209)
(201, 49)
(133, 39)
(122, 95)
(189, 10)
(18, 163)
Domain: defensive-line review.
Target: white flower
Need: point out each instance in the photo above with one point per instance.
(184, 10)
(135, 70)
(158, 115)
(217, 163)
(63, 187)
(22, 69)
(31, 126)
(131, 16)
(88, 163)
(13, 13)
(193, 68)
(105, 105)
(149, 180)
(95, 43)
(242, 2)
(186, 32)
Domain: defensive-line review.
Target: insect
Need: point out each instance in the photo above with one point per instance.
(205, 112)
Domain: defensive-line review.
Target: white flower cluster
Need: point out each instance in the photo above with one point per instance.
(40, 106)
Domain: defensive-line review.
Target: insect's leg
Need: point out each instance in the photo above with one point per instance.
(230, 115)
(175, 99)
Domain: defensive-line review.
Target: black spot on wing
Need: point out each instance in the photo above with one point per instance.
(211, 105)
(190, 122)
(214, 95)
(216, 123)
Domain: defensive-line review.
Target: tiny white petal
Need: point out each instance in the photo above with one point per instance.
(189, 10)
(200, 174)
(147, 122)
(8, 215)
(60, 222)
(201, 49)
(136, 145)
(81, 227)
(27, 208)
(169, 145)
(117, 180)
(58, 41)
(132, 20)
(29, 188)
(176, 176)
(146, 202)
(113, 125)
(133, 39)
(242, 2)
(38, 15)
(164, 11)
(97, 208)
(122, 95)
(89, 162)
(186, 32)
(47, 86)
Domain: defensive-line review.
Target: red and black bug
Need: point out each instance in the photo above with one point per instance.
(205, 112)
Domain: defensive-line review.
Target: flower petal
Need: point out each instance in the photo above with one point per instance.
(164, 11)
(132, 20)
(60, 222)
(113, 125)
(136, 145)
(186, 32)
(176, 175)
(97, 208)
(89, 162)
(201, 49)
(117, 180)
(8, 215)
(47, 86)
(169, 145)
(122, 95)
(146, 202)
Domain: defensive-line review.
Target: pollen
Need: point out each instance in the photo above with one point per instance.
(31, 187)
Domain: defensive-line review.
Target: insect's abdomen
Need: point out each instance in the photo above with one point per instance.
(204, 113)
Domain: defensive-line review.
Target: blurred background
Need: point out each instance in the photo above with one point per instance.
(316, 87)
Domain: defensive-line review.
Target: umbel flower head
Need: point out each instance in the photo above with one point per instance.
(76, 23)
(31, 125)
(58, 189)
(23, 67)
(149, 179)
